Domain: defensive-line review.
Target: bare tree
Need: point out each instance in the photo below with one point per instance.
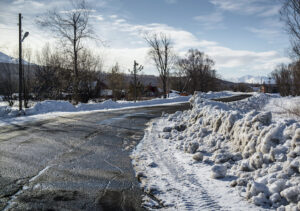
(162, 54)
(28, 75)
(52, 77)
(296, 78)
(283, 78)
(116, 81)
(72, 27)
(290, 14)
(90, 65)
(178, 80)
(8, 84)
(198, 67)
(136, 69)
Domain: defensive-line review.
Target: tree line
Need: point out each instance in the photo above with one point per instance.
(287, 76)
(71, 70)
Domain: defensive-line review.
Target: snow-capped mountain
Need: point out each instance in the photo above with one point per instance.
(252, 79)
(7, 59)
(10, 60)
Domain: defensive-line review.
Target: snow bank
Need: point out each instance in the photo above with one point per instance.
(109, 104)
(5, 110)
(51, 106)
(216, 95)
(240, 139)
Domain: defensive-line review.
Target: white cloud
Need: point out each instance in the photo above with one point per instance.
(77, 10)
(113, 16)
(28, 2)
(267, 33)
(18, 2)
(210, 21)
(98, 17)
(271, 11)
(254, 62)
(227, 60)
(249, 7)
(270, 30)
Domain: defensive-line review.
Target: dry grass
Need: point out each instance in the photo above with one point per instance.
(291, 111)
(295, 110)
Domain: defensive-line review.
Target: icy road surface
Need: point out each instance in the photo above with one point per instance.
(74, 162)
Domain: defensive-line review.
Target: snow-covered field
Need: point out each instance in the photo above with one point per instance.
(51, 108)
(222, 156)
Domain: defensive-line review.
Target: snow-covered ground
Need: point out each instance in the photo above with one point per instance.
(283, 107)
(51, 108)
(220, 156)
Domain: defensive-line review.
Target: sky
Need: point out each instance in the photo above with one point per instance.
(243, 37)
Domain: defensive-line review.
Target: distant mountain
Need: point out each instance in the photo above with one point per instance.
(10, 60)
(252, 79)
(7, 59)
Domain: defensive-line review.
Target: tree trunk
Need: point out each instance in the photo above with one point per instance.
(76, 94)
(165, 87)
(135, 84)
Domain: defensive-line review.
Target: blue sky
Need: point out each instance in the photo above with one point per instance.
(242, 36)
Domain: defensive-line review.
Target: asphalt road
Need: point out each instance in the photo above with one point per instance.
(76, 162)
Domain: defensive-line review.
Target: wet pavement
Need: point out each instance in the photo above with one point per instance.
(75, 162)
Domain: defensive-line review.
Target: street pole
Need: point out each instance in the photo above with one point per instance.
(135, 72)
(20, 62)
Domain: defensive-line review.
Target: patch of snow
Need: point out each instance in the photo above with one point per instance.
(280, 106)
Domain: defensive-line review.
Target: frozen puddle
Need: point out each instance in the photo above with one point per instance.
(177, 182)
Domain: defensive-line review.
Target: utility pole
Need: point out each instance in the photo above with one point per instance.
(20, 62)
(21, 39)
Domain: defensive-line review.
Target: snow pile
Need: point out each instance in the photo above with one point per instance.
(5, 110)
(215, 95)
(51, 106)
(240, 140)
(48, 106)
(256, 102)
(109, 104)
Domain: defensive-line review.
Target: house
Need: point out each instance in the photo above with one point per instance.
(269, 88)
(106, 92)
(152, 91)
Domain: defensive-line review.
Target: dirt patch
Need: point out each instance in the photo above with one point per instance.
(118, 201)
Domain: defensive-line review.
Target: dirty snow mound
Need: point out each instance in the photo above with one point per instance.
(241, 144)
